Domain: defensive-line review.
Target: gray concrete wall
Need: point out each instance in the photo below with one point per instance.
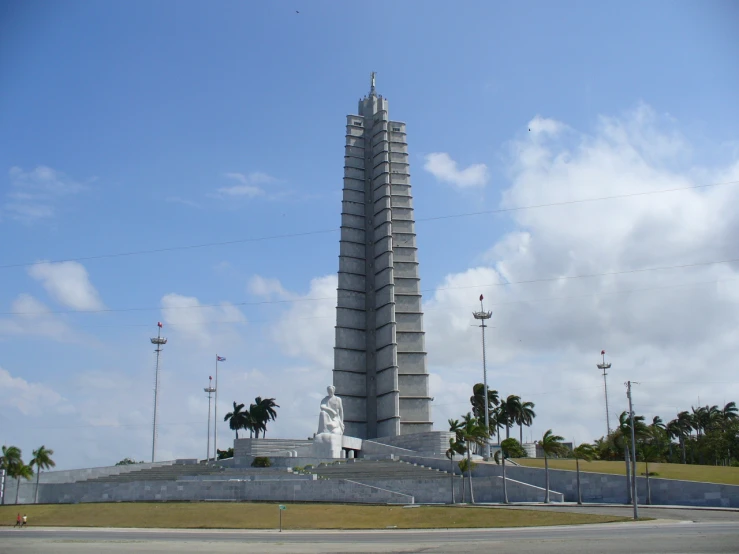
(296, 490)
(433, 442)
(602, 487)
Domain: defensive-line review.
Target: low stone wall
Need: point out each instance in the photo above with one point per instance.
(283, 490)
(603, 487)
(485, 489)
(433, 442)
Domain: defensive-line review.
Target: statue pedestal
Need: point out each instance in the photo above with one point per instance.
(327, 445)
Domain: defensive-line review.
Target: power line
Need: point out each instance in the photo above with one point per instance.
(325, 231)
(448, 309)
(477, 286)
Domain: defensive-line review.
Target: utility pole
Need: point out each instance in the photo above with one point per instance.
(483, 316)
(159, 341)
(633, 453)
(605, 366)
(215, 412)
(210, 390)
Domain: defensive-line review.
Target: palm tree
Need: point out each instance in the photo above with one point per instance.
(237, 418)
(42, 460)
(684, 424)
(551, 445)
(471, 433)
(24, 471)
(585, 452)
(650, 452)
(513, 412)
(730, 412)
(624, 428)
(263, 411)
(525, 417)
(455, 447)
(478, 404)
(11, 457)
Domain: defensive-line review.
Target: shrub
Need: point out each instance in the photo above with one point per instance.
(261, 461)
(513, 449)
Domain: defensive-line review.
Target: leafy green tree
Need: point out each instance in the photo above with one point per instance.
(586, 452)
(525, 417)
(10, 458)
(21, 471)
(470, 433)
(455, 448)
(225, 454)
(650, 452)
(552, 445)
(512, 449)
(237, 418)
(42, 460)
(513, 412)
(127, 462)
(262, 412)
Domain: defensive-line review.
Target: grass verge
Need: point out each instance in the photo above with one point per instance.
(687, 472)
(231, 515)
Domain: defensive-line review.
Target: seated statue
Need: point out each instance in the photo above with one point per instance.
(331, 418)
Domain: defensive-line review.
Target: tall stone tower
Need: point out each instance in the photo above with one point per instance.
(379, 358)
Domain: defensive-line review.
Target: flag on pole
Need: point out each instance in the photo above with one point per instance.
(159, 324)
(481, 298)
(602, 352)
(220, 358)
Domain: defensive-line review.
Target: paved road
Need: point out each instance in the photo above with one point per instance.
(676, 532)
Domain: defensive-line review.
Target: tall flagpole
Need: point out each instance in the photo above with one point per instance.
(215, 418)
(209, 390)
(159, 341)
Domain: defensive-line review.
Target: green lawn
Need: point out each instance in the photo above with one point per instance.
(687, 472)
(231, 515)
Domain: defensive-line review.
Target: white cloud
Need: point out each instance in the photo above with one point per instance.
(267, 288)
(307, 328)
(248, 186)
(198, 322)
(30, 398)
(36, 193)
(544, 126)
(32, 317)
(183, 201)
(444, 168)
(68, 283)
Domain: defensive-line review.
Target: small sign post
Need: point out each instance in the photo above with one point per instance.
(282, 507)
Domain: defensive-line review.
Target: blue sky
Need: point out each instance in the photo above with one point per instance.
(136, 126)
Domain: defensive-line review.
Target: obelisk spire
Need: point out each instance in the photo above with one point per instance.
(372, 83)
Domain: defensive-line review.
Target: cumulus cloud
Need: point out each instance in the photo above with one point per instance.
(32, 317)
(267, 288)
(568, 281)
(68, 283)
(35, 194)
(307, 328)
(196, 321)
(247, 187)
(30, 398)
(445, 169)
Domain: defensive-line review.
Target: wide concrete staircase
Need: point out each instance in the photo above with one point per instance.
(161, 473)
(377, 470)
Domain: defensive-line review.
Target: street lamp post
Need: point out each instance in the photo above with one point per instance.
(210, 390)
(605, 366)
(159, 341)
(483, 316)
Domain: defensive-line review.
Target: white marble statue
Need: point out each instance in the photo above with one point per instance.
(331, 418)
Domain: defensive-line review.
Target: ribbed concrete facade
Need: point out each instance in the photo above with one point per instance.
(379, 358)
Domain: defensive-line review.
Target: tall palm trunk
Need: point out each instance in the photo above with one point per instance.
(628, 474)
(469, 476)
(451, 463)
(17, 489)
(505, 484)
(520, 433)
(546, 473)
(649, 488)
(508, 431)
(682, 445)
(579, 491)
(35, 496)
(2, 488)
